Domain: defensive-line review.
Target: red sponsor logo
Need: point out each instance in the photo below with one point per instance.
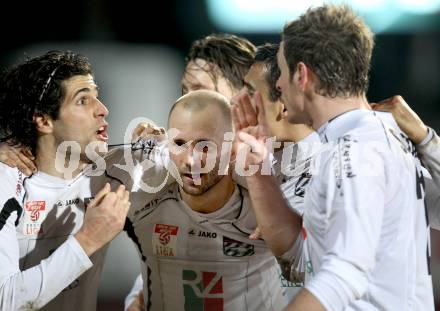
(35, 207)
(165, 232)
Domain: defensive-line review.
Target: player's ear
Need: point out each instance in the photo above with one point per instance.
(280, 110)
(43, 123)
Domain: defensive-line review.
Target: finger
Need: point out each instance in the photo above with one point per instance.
(249, 112)
(386, 107)
(109, 200)
(261, 110)
(139, 129)
(24, 169)
(389, 100)
(13, 160)
(10, 159)
(251, 141)
(240, 114)
(126, 199)
(27, 152)
(27, 162)
(235, 119)
(120, 191)
(99, 197)
(255, 235)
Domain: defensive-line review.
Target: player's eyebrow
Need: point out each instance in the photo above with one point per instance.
(86, 90)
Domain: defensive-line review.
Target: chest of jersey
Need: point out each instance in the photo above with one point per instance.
(192, 262)
(170, 232)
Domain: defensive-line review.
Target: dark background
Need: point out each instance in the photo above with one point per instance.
(403, 63)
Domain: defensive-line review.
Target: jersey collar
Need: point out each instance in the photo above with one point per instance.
(341, 124)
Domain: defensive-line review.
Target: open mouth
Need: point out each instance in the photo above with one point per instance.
(191, 177)
(102, 133)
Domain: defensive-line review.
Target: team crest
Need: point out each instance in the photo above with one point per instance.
(235, 248)
(35, 212)
(165, 240)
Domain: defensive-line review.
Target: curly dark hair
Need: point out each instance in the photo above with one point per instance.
(336, 44)
(35, 87)
(231, 54)
(267, 54)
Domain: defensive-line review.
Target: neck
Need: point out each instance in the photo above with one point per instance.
(292, 133)
(326, 108)
(213, 199)
(46, 158)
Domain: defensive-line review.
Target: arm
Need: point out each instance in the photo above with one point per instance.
(354, 225)
(429, 151)
(38, 285)
(426, 140)
(305, 300)
(135, 299)
(279, 225)
(408, 121)
(21, 158)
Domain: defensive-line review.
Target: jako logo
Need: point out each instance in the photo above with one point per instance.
(203, 291)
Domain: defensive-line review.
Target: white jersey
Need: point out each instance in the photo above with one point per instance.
(42, 265)
(429, 151)
(366, 231)
(194, 261)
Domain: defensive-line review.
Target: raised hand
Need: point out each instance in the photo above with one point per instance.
(104, 218)
(408, 121)
(251, 128)
(21, 158)
(149, 131)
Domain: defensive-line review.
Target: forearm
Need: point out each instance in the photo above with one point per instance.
(305, 300)
(279, 224)
(38, 285)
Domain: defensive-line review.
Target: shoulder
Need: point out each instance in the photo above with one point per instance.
(143, 203)
(12, 181)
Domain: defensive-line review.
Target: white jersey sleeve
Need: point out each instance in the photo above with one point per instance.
(34, 287)
(429, 152)
(352, 236)
(134, 292)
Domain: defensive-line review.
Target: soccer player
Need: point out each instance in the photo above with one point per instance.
(53, 234)
(194, 238)
(357, 252)
(218, 62)
(261, 76)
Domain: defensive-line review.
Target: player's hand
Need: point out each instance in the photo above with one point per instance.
(408, 121)
(251, 128)
(104, 218)
(21, 158)
(138, 303)
(146, 131)
(256, 235)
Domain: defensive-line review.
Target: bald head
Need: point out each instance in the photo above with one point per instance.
(214, 106)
